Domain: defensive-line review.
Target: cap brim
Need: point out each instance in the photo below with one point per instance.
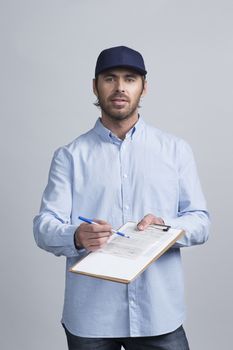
(136, 69)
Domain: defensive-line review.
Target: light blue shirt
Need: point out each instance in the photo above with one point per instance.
(100, 176)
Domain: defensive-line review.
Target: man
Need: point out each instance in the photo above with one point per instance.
(122, 170)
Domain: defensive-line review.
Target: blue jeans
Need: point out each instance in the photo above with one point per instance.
(171, 341)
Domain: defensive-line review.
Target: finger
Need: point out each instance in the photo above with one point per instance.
(148, 220)
(145, 222)
(96, 235)
(97, 241)
(94, 244)
(95, 228)
(85, 234)
(101, 222)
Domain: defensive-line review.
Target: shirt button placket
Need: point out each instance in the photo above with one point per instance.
(133, 314)
(124, 181)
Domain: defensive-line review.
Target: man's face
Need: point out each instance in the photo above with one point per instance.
(119, 92)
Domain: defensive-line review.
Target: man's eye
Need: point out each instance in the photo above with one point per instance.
(130, 80)
(109, 79)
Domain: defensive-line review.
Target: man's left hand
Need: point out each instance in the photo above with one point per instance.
(149, 219)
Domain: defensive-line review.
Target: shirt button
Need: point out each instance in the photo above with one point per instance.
(126, 207)
(125, 176)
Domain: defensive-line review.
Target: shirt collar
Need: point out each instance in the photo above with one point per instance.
(108, 136)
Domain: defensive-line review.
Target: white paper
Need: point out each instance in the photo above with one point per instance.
(133, 247)
(122, 259)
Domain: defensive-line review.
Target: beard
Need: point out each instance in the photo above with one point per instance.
(120, 112)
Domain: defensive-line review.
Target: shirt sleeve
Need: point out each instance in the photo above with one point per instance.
(52, 228)
(192, 215)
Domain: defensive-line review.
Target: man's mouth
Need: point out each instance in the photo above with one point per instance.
(119, 101)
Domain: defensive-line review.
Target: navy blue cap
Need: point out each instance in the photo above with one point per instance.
(120, 56)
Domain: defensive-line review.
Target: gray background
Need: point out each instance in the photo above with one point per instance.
(48, 53)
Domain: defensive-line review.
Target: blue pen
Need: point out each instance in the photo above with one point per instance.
(89, 221)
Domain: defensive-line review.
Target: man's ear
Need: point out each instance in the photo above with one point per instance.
(144, 91)
(94, 82)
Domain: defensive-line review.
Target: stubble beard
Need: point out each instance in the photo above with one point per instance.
(116, 115)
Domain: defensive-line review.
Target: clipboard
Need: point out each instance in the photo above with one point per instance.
(121, 259)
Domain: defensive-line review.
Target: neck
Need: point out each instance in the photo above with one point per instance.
(119, 127)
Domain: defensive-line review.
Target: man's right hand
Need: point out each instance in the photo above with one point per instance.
(91, 236)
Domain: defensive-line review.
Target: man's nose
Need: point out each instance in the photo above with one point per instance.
(120, 86)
